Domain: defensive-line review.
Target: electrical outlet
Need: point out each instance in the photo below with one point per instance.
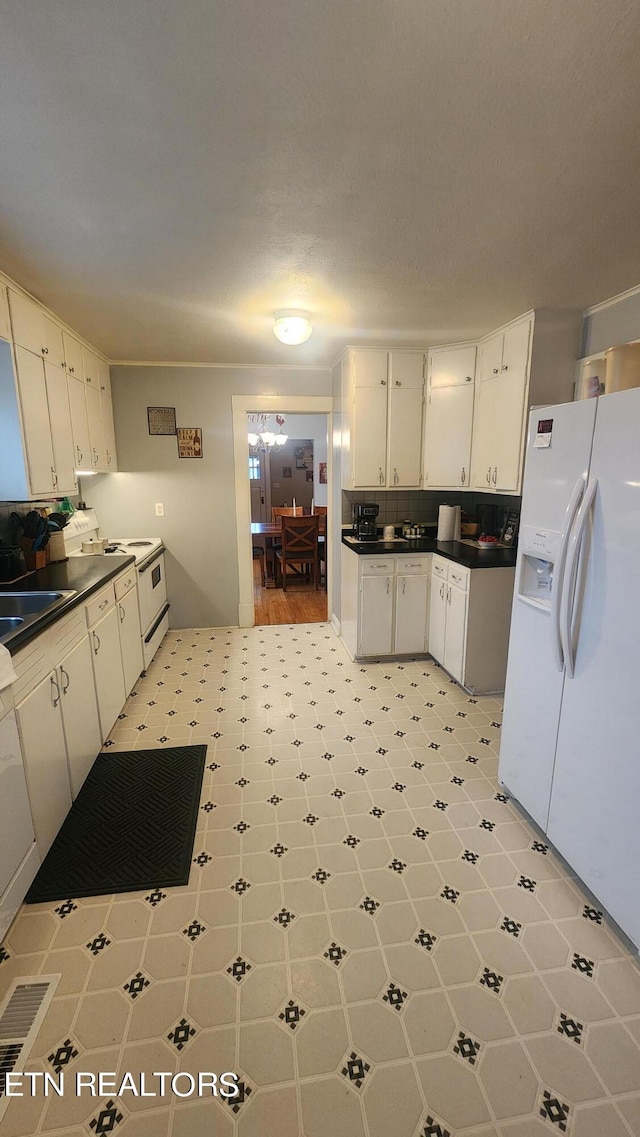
(159, 509)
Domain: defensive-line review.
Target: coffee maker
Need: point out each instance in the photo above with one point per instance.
(364, 521)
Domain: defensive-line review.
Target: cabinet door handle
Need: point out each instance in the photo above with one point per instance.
(55, 687)
(383, 382)
(404, 585)
(45, 350)
(505, 367)
(96, 642)
(54, 478)
(448, 594)
(488, 477)
(495, 371)
(468, 379)
(388, 584)
(442, 591)
(108, 458)
(398, 383)
(122, 613)
(79, 454)
(495, 475)
(72, 370)
(380, 475)
(395, 476)
(65, 675)
(89, 379)
(104, 604)
(463, 475)
(95, 456)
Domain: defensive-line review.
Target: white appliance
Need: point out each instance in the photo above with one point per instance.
(570, 751)
(19, 857)
(83, 527)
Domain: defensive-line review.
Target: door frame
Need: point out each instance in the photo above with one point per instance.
(241, 406)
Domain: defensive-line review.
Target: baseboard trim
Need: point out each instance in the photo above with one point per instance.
(335, 623)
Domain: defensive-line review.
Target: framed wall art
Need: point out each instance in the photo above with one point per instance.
(189, 441)
(161, 420)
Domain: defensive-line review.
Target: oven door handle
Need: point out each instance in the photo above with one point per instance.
(152, 560)
(156, 624)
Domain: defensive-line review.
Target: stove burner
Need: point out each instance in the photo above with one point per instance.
(137, 544)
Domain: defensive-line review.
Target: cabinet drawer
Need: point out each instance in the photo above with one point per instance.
(125, 583)
(411, 566)
(440, 568)
(459, 577)
(375, 567)
(100, 604)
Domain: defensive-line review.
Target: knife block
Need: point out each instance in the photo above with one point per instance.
(34, 560)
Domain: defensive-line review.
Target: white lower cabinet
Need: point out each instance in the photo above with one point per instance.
(376, 615)
(79, 713)
(412, 609)
(107, 669)
(469, 623)
(384, 604)
(45, 758)
(130, 642)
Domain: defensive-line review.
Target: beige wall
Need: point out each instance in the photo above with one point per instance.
(199, 525)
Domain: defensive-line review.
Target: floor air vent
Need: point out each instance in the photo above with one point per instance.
(21, 1015)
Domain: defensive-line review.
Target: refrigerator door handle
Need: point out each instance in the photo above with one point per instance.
(571, 575)
(559, 566)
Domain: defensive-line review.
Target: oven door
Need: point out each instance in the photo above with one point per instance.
(152, 591)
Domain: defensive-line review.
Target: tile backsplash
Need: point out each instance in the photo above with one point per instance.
(423, 505)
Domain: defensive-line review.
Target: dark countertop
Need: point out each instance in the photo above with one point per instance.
(467, 555)
(85, 575)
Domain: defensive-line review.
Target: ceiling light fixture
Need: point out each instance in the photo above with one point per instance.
(292, 327)
(263, 438)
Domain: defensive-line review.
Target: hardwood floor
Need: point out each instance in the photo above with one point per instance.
(300, 604)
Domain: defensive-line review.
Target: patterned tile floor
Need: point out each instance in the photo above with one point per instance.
(372, 936)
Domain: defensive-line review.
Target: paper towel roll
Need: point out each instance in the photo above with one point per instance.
(449, 521)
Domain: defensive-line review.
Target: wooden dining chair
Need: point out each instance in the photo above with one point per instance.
(278, 511)
(299, 546)
(321, 511)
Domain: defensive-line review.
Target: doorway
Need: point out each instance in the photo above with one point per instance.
(264, 473)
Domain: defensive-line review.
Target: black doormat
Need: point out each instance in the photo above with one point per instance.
(131, 827)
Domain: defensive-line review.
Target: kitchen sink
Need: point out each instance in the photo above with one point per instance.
(19, 609)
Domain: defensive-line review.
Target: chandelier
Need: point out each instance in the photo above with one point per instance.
(261, 436)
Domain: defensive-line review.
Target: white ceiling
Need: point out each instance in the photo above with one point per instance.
(410, 171)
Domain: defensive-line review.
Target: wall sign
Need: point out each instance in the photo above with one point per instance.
(161, 420)
(189, 441)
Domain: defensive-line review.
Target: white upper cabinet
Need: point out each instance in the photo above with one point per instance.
(27, 322)
(73, 355)
(90, 368)
(96, 430)
(500, 409)
(79, 423)
(382, 427)
(36, 427)
(369, 368)
(61, 433)
(104, 378)
(5, 322)
(52, 345)
(449, 418)
(109, 434)
(369, 436)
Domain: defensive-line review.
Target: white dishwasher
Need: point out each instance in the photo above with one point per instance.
(19, 860)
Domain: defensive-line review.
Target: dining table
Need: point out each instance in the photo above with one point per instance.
(267, 530)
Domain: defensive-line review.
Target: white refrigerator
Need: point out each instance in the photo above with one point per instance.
(570, 750)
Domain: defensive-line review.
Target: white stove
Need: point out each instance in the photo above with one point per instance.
(83, 526)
